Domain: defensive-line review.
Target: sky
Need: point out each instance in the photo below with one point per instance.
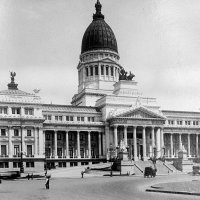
(158, 40)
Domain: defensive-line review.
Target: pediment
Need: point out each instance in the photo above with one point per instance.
(141, 113)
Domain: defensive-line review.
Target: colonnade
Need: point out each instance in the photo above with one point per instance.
(180, 144)
(78, 153)
(157, 140)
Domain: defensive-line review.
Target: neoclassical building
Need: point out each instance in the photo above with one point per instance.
(107, 110)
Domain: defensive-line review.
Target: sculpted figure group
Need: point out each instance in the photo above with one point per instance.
(123, 75)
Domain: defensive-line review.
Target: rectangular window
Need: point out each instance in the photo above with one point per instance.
(107, 71)
(30, 164)
(92, 119)
(96, 71)
(67, 118)
(194, 123)
(56, 118)
(15, 111)
(188, 122)
(111, 69)
(29, 150)
(91, 71)
(3, 132)
(28, 111)
(102, 70)
(47, 136)
(88, 119)
(59, 136)
(82, 119)
(16, 132)
(71, 118)
(45, 116)
(49, 117)
(29, 132)
(60, 118)
(16, 164)
(87, 73)
(78, 118)
(3, 110)
(3, 150)
(16, 150)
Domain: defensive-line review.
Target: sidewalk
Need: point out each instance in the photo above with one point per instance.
(186, 187)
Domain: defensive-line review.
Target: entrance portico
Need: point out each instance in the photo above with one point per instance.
(142, 133)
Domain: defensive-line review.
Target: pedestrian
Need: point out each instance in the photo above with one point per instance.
(82, 173)
(47, 183)
(28, 176)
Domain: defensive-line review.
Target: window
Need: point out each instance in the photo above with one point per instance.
(28, 132)
(59, 136)
(96, 70)
(49, 117)
(171, 122)
(179, 122)
(16, 132)
(102, 70)
(15, 111)
(28, 111)
(91, 70)
(3, 110)
(45, 116)
(78, 118)
(4, 165)
(29, 150)
(67, 118)
(3, 150)
(3, 132)
(16, 164)
(88, 119)
(60, 118)
(71, 118)
(56, 118)
(47, 136)
(16, 150)
(87, 73)
(107, 71)
(70, 136)
(92, 119)
(30, 164)
(82, 119)
(111, 71)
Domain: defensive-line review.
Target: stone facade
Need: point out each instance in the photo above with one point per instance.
(104, 112)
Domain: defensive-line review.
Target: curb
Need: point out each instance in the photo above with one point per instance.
(173, 192)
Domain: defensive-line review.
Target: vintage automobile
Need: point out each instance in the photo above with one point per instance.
(149, 172)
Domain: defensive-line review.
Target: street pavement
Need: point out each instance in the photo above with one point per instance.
(90, 188)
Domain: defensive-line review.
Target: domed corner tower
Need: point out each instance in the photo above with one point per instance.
(98, 68)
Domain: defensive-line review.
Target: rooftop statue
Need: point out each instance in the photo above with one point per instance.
(123, 75)
(12, 74)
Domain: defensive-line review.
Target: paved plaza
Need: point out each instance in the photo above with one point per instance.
(107, 188)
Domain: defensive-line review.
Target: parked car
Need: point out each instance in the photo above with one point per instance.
(196, 169)
(149, 172)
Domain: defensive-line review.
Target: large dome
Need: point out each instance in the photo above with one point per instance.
(98, 35)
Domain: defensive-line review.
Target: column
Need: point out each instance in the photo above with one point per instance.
(197, 144)
(158, 148)
(41, 139)
(135, 143)
(115, 136)
(89, 145)
(189, 146)
(35, 141)
(78, 144)
(171, 145)
(55, 145)
(67, 144)
(10, 153)
(152, 137)
(99, 144)
(99, 69)
(125, 135)
(180, 141)
(144, 143)
(161, 138)
(22, 138)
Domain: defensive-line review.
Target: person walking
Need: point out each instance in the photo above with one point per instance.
(47, 183)
(28, 176)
